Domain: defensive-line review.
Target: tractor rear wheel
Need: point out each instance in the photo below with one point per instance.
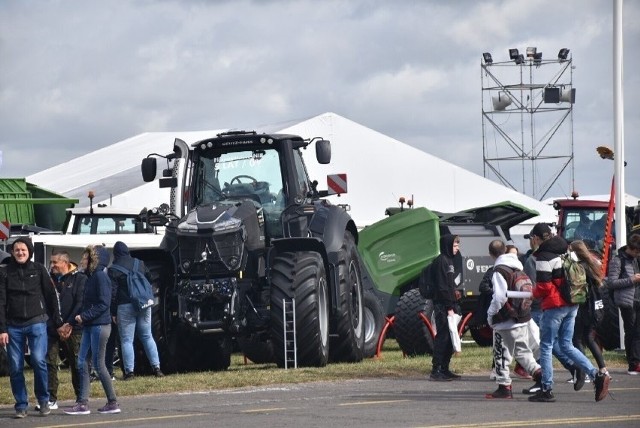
(348, 322)
(373, 323)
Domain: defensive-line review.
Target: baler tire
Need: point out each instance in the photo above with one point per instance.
(411, 333)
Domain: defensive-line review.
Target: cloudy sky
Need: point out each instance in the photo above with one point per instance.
(78, 75)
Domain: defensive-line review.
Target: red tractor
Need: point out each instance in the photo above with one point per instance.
(587, 220)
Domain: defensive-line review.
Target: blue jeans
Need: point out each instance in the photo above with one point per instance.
(130, 324)
(557, 325)
(36, 336)
(94, 340)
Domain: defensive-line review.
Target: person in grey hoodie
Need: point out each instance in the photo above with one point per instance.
(510, 336)
(624, 279)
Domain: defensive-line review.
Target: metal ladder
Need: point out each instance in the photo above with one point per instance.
(289, 331)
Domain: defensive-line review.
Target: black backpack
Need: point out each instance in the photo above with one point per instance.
(426, 282)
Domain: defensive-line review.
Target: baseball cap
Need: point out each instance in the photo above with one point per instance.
(539, 230)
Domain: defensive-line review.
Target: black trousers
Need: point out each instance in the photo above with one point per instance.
(442, 346)
(631, 322)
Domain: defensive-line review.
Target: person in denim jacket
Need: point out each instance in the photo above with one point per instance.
(95, 319)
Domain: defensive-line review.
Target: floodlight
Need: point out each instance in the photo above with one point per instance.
(501, 101)
(562, 55)
(551, 95)
(520, 59)
(568, 95)
(513, 53)
(531, 52)
(537, 58)
(487, 58)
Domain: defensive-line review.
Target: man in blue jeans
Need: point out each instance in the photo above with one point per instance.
(558, 320)
(27, 299)
(131, 321)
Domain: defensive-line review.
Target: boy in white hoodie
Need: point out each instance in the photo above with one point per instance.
(510, 330)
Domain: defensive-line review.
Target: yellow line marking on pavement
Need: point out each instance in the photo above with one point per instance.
(367, 403)
(270, 409)
(539, 422)
(121, 421)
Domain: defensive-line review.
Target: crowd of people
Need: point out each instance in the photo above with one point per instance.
(78, 308)
(537, 322)
(70, 308)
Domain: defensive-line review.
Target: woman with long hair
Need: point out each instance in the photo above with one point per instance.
(586, 322)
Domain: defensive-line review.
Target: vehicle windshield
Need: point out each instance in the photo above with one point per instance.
(252, 174)
(107, 224)
(587, 225)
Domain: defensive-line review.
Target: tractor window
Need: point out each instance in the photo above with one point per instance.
(251, 174)
(301, 173)
(585, 224)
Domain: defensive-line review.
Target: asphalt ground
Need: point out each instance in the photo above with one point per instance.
(385, 402)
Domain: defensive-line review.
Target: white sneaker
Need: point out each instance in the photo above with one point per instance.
(53, 405)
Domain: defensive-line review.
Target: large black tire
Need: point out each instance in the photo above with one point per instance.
(608, 333)
(347, 345)
(412, 334)
(301, 276)
(373, 323)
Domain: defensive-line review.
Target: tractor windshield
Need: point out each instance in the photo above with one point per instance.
(250, 174)
(587, 225)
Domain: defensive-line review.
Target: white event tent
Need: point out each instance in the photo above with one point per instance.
(379, 170)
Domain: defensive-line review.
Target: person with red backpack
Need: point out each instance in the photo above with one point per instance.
(509, 318)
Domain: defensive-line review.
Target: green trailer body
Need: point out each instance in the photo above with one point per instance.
(27, 204)
(396, 249)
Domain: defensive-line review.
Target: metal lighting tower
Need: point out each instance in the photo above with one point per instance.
(527, 117)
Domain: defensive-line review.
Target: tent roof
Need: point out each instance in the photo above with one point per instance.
(379, 170)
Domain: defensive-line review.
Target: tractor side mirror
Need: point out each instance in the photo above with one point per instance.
(148, 168)
(323, 151)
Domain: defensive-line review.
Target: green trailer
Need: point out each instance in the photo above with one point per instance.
(23, 203)
(396, 249)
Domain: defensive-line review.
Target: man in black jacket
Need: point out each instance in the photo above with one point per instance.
(444, 303)
(69, 283)
(27, 299)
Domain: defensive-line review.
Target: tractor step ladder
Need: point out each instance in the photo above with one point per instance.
(289, 327)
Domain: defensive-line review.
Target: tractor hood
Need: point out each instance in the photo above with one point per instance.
(227, 217)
